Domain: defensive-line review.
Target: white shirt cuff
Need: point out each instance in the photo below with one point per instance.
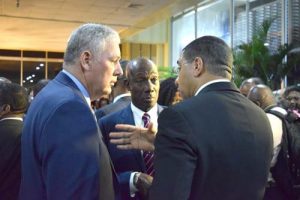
(132, 188)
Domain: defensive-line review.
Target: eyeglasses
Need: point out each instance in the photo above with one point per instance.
(179, 66)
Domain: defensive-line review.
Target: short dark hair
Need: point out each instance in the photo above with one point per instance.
(39, 86)
(214, 52)
(291, 89)
(14, 95)
(167, 91)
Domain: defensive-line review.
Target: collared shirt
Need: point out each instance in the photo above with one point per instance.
(121, 96)
(80, 87)
(13, 118)
(138, 114)
(211, 82)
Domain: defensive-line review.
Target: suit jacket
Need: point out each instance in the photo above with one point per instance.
(10, 158)
(216, 145)
(63, 156)
(113, 107)
(125, 161)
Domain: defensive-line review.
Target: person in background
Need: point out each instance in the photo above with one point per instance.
(291, 98)
(263, 97)
(134, 167)
(168, 92)
(3, 79)
(248, 84)
(120, 93)
(37, 88)
(13, 104)
(63, 155)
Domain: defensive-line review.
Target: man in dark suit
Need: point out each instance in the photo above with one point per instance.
(216, 144)
(120, 93)
(63, 155)
(13, 104)
(143, 82)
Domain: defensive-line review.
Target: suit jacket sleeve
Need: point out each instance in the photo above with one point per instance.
(99, 114)
(107, 125)
(70, 153)
(175, 158)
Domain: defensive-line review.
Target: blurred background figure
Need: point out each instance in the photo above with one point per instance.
(263, 97)
(168, 92)
(37, 88)
(291, 100)
(13, 104)
(100, 103)
(3, 79)
(120, 94)
(248, 84)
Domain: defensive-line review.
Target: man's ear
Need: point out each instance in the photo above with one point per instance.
(85, 60)
(257, 103)
(4, 109)
(126, 83)
(198, 67)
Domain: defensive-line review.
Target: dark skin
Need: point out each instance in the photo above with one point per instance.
(143, 83)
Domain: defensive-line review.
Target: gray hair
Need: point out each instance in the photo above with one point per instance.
(92, 37)
(215, 54)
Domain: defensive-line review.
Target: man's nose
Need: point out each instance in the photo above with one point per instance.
(118, 70)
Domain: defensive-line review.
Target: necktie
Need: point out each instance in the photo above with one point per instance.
(148, 156)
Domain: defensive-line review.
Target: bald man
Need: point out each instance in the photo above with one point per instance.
(248, 83)
(262, 96)
(131, 166)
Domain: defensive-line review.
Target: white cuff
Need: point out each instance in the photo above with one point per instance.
(132, 187)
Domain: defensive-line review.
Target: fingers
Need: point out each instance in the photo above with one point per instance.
(125, 127)
(125, 147)
(120, 134)
(123, 141)
(152, 129)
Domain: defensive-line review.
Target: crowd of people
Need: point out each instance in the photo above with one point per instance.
(196, 136)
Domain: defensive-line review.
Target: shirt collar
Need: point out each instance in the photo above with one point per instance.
(138, 114)
(80, 87)
(120, 96)
(211, 82)
(11, 118)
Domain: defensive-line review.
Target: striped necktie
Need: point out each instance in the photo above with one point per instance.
(148, 156)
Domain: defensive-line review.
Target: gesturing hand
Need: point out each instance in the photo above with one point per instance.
(133, 137)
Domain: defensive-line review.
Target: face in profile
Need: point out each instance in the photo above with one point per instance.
(105, 69)
(184, 78)
(144, 84)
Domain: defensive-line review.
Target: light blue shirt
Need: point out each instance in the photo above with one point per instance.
(81, 87)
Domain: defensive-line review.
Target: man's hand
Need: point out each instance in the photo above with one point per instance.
(143, 183)
(133, 137)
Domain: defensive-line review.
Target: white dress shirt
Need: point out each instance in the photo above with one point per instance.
(137, 115)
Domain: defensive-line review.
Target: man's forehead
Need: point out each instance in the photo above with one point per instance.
(294, 93)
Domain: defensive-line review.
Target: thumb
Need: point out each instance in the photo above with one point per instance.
(152, 129)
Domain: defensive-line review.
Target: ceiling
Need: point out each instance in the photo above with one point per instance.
(46, 24)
